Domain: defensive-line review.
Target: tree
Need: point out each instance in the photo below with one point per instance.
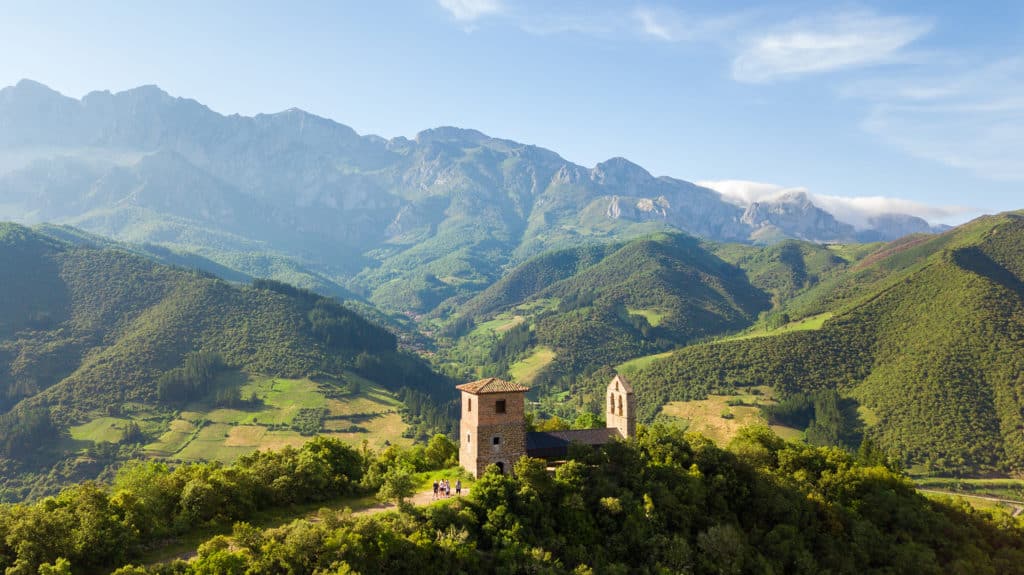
(59, 567)
(398, 484)
(441, 452)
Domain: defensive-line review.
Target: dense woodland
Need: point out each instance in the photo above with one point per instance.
(94, 331)
(660, 503)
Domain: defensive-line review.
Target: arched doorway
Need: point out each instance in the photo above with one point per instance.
(501, 467)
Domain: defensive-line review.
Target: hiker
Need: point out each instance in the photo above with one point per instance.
(435, 489)
(458, 487)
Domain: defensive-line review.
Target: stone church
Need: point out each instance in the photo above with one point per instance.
(493, 426)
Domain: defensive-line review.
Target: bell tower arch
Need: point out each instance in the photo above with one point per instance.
(621, 413)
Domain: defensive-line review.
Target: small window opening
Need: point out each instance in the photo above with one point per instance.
(499, 406)
(497, 440)
(469, 404)
(468, 440)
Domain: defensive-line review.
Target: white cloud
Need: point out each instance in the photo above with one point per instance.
(653, 25)
(825, 43)
(852, 210)
(470, 10)
(672, 25)
(971, 119)
(744, 192)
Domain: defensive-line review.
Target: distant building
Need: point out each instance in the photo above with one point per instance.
(493, 425)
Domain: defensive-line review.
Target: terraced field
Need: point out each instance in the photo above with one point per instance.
(199, 433)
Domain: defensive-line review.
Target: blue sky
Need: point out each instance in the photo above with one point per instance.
(914, 106)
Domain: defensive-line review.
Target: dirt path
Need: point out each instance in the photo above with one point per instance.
(1018, 506)
(419, 499)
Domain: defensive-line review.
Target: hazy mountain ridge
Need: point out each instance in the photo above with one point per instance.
(443, 213)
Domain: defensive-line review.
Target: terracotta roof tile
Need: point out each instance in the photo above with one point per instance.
(491, 385)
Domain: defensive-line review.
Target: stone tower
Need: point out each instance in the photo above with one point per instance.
(493, 425)
(621, 412)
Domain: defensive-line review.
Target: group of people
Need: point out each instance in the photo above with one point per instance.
(443, 488)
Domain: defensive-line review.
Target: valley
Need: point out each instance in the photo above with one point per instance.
(512, 287)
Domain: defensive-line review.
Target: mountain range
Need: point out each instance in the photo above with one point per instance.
(404, 223)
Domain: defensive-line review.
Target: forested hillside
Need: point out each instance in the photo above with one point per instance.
(927, 337)
(661, 503)
(597, 305)
(87, 333)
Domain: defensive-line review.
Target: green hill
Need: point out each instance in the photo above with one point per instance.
(87, 333)
(927, 338)
(566, 313)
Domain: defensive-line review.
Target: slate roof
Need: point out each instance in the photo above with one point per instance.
(623, 382)
(553, 444)
(491, 385)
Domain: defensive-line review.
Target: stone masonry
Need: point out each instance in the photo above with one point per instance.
(493, 426)
(621, 408)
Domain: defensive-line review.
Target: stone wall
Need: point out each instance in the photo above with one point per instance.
(480, 424)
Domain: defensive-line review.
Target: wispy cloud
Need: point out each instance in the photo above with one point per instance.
(471, 10)
(825, 43)
(971, 119)
(674, 25)
(653, 24)
(853, 210)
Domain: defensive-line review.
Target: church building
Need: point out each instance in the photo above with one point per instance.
(493, 425)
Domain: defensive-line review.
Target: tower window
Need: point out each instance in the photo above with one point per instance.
(469, 404)
(468, 440)
(499, 406)
(611, 404)
(620, 405)
(497, 440)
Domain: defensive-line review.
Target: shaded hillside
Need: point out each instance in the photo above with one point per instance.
(928, 337)
(789, 268)
(86, 332)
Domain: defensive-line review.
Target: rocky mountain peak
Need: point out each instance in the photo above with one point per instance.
(619, 171)
(451, 134)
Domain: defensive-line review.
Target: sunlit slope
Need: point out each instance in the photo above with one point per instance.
(928, 335)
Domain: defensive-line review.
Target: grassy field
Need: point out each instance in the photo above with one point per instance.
(500, 324)
(639, 363)
(718, 421)
(539, 305)
(807, 324)
(524, 371)
(981, 503)
(200, 433)
(1002, 488)
(653, 316)
(101, 429)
